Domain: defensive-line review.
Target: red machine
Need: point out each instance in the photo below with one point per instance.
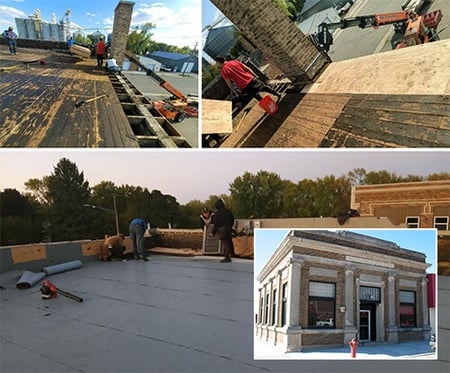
(415, 29)
(175, 109)
(49, 290)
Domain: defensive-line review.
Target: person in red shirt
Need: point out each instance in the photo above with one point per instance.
(237, 75)
(100, 52)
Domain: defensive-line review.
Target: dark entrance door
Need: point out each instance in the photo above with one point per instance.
(367, 322)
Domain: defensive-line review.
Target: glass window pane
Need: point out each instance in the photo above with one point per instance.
(321, 289)
(321, 313)
(370, 293)
(407, 297)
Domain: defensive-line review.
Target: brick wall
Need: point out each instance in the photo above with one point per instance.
(122, 20)
(396, 201)
(280, 40)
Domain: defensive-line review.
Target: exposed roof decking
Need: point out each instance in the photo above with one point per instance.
(37, 105)
(399, 98)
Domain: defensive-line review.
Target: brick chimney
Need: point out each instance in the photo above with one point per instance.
(122, 21)
(281, 41)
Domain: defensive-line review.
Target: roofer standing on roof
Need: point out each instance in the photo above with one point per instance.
(223, 225)
(137, 230)
(206, 217)
(236, 72)
(100, 52)
(11, 37)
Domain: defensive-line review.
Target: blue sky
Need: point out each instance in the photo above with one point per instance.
(177, 21)
(420, 240)
(209, 12)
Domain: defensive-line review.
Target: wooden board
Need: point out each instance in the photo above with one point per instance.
(216, 117)
(23, 254)
(80, 51)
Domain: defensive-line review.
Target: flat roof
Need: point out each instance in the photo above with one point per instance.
(171, 314)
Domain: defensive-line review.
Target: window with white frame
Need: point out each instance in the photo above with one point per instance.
(322, 305)
(441, 223)
(266, 316)
(407, 308)
(412, 222)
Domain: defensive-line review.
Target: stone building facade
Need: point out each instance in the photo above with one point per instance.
(322, 288)
(423, 204)
(416, 204)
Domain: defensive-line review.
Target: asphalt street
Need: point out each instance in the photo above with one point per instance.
(355, 42)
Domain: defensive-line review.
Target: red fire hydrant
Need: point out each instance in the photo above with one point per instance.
(353, 344)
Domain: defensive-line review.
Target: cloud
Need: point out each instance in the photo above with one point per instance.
(90, 14)
(108, 21)
(177, 24)
(7, 15)
(11, 12)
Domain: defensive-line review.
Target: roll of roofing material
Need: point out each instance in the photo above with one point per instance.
(63, 267)
(28, 279)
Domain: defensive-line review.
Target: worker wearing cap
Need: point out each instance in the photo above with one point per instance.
(11, 37)
(137, 230)
(243, 77)
(206, 217)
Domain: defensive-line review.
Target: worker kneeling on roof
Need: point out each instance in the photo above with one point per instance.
(111, 65)
(113, 248)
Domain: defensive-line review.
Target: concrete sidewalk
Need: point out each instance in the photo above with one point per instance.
(407, 350)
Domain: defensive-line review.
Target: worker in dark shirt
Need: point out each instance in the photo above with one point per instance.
(223, 226)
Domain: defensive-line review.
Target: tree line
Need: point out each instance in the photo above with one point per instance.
(63, 206)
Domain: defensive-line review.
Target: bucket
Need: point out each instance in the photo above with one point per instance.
(269, 105)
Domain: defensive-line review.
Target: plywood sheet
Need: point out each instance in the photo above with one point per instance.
(422, 69)
(23, 254)
(216, 117)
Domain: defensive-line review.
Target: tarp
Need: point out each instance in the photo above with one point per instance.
(28, 279)
(63, 267)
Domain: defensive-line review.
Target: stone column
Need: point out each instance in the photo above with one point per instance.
(426, 319)
(269, 321)
(349, 327)
(122, 21)
(293, 309)
(280, 297)
(392, 329)
(281, 41)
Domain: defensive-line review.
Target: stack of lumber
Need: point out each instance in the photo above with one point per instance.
(80, 51)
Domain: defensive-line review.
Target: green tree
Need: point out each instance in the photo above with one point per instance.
(103, 215)
(140, 39)
(38, 189)
(439, 176)
(304, 203)
(20, 219)
(68, 193)
(259, 195)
